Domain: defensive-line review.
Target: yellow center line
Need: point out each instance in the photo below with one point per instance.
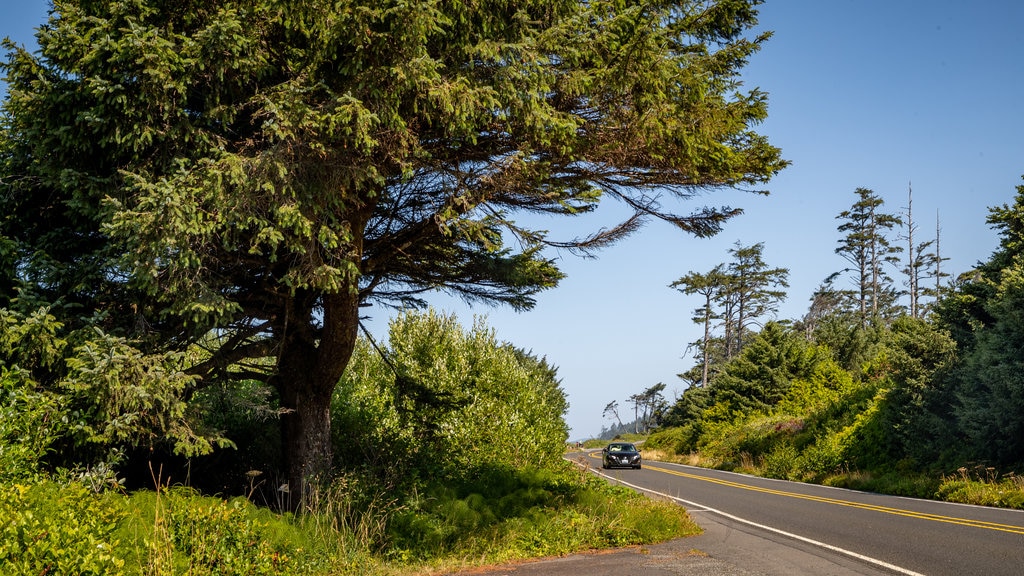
(884, 509)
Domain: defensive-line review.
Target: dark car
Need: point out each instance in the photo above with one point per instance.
(620, 455)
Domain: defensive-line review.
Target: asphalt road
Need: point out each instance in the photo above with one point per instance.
(764, 526)
(760, 527)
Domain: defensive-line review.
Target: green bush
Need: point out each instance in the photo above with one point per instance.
(822, 457)
(446, 400)
(29, 424)
(58, 529)
(781, 463)
(676, 440)
(983, 488)
(216, 537)
(177, 531)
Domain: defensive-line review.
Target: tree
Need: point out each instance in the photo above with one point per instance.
(502, 405)
(761, 375)
(707, 285)
(985, 315)
(613, 409)
(260, 171)
(826, 302)
(866, 247)
(754, 287)
(921, 262)
(653, 406)
(738, 294)
(935, 261)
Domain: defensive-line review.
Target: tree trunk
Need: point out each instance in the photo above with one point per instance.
(306, 440)
(308, 371)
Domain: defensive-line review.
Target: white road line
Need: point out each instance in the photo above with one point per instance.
(703, 508)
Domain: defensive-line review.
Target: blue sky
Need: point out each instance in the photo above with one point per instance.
(879, 94)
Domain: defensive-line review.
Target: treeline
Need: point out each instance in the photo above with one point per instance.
(864, 386)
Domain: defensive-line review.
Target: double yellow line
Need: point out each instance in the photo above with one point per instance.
(883, 509)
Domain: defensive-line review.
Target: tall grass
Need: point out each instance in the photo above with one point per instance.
(983, 486)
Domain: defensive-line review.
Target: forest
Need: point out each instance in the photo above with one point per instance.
(909, 382)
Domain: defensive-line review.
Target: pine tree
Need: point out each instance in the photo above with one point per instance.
(866, 247)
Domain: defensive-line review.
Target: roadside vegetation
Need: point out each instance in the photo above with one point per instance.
(451, 458)
(862, 392)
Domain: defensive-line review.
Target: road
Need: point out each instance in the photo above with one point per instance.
(789, 528)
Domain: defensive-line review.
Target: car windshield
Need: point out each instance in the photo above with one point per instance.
(621, 448)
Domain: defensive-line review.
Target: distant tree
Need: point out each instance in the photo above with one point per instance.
(918, 261)
(867, 248)
(612, 408)
(654, 406)
(935, 271)
(260, 171)
(708, 285)
(923, 262)
(739, 295)
(826, 301)
(755, 288)
(647, 408)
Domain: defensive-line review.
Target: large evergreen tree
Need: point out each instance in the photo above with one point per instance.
(985, 315)
(258, 171)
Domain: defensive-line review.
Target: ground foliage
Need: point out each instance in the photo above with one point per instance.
(450, 448)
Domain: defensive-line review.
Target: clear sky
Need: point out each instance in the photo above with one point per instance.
(880, 94)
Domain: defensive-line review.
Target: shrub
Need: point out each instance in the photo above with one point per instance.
(50, 528)
(823, 457)
(781, 462)
(29, 424)
(177, 531)
(983, 488)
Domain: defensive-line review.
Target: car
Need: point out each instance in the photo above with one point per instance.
(621, 455)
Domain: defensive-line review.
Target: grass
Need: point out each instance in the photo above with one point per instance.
(347, 530)
(983, 486)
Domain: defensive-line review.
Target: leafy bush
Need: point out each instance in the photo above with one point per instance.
(177, 531)
(781, 463)
(825, 456)
(217, 537)
(30, 422)
(50, 528)
(675, 440)
(446, 400)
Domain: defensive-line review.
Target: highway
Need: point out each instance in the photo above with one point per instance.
(818, 530)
